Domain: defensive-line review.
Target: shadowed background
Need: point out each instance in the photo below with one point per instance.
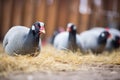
(57, 13)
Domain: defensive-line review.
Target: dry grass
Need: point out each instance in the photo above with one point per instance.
(53, 60)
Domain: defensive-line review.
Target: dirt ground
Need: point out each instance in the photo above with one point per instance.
(94, 72)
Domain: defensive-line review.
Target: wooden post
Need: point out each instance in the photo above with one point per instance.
(119, 15)
(84, 19)
(93, 16)
(6, 16)
(98, 15)
(28, 13)
(84, 22)
(74, 12)
(17, 12)
(40, 10)
(0, 18)
(51, 18)
(63, 13)
(114, 17)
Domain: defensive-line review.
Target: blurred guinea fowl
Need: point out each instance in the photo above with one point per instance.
(68, 39)
(114, 41)
(93, 40)
(23, 40)
(56, 32)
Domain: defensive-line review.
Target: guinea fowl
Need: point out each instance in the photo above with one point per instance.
(57, 31)
(93, 40)
(68, 39)
(23, 40)
(114, 41)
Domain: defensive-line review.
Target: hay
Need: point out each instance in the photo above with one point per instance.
(52, 60)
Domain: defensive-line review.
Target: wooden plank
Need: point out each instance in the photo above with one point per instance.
(40, 10)
(113, 19)
(91, 5)
(119, 15)
(63, 13)
(17, 12)
(92, 21)
(102, 21)
(74, 12)
(118, 6)
(110, 4)
(98, 16)
(0, 18)
(0, 12)
(93, 15)
(28, 13)
(84, 20)
(6, 16)
(51, 17)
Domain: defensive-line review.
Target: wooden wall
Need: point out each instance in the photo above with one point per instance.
(55, 13)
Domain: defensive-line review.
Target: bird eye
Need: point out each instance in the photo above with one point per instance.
(33, 27)
(102, 34)
(74, 28)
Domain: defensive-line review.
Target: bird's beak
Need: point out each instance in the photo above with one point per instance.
(68, 29)
(42, 30)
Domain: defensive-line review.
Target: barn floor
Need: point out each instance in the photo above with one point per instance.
(60, 65)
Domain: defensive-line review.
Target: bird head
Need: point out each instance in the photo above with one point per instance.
(104, 36)
(116, 42)
(71, 27)
(38, 27)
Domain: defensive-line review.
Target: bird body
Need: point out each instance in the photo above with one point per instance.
(114, 41)
(61, 40)
(21, 40)
(67, 40)
(93, 40)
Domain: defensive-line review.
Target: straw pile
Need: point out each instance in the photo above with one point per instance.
(52, 60)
